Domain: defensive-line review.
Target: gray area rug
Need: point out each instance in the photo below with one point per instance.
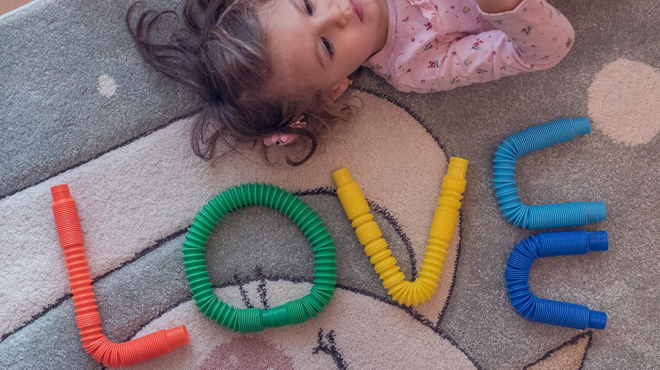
(77, 105)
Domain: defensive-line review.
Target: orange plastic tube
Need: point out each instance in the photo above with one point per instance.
(88, 319)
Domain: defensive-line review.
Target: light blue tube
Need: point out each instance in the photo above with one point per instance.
(546, 311)
(504, 183)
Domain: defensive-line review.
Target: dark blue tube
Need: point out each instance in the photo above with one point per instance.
(546, 311)
(504, 183)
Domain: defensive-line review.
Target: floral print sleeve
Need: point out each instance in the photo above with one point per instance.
(532, 37)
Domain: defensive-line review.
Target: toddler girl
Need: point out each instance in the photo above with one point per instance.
(273, 71)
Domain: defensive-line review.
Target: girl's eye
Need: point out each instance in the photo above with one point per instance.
(328, 47)
(308, 7)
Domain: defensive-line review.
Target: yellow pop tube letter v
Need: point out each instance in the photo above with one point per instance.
(442, 230)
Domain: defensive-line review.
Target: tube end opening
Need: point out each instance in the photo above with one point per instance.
(598, 241)
(177, 337)
(597, 320)
(60, 192)
(342, 177)
(581, 125)
(457, 167)
(595, 211)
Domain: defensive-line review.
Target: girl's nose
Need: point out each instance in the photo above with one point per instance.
(336, 16)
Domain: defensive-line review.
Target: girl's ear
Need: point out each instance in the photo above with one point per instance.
(339, 89)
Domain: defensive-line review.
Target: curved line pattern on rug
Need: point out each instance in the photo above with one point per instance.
(138, 137)
(570, 353)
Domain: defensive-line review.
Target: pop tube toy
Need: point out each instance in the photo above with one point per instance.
(442, 230)
(547, 215)
(246, 320)
(88, 319)
(546, 311)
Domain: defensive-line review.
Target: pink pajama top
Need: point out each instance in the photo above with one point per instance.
(435, 45)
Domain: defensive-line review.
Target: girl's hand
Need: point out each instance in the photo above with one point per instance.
(497, 6)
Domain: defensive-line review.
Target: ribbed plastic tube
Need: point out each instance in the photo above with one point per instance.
(442, 230)
(544, 310)
(256, 319)
(504, 183)
(87, 317)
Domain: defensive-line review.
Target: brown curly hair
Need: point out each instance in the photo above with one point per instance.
(221, 54)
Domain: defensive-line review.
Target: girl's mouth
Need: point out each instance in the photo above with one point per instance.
(357, 8)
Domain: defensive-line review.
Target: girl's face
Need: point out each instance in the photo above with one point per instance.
(316, 44)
